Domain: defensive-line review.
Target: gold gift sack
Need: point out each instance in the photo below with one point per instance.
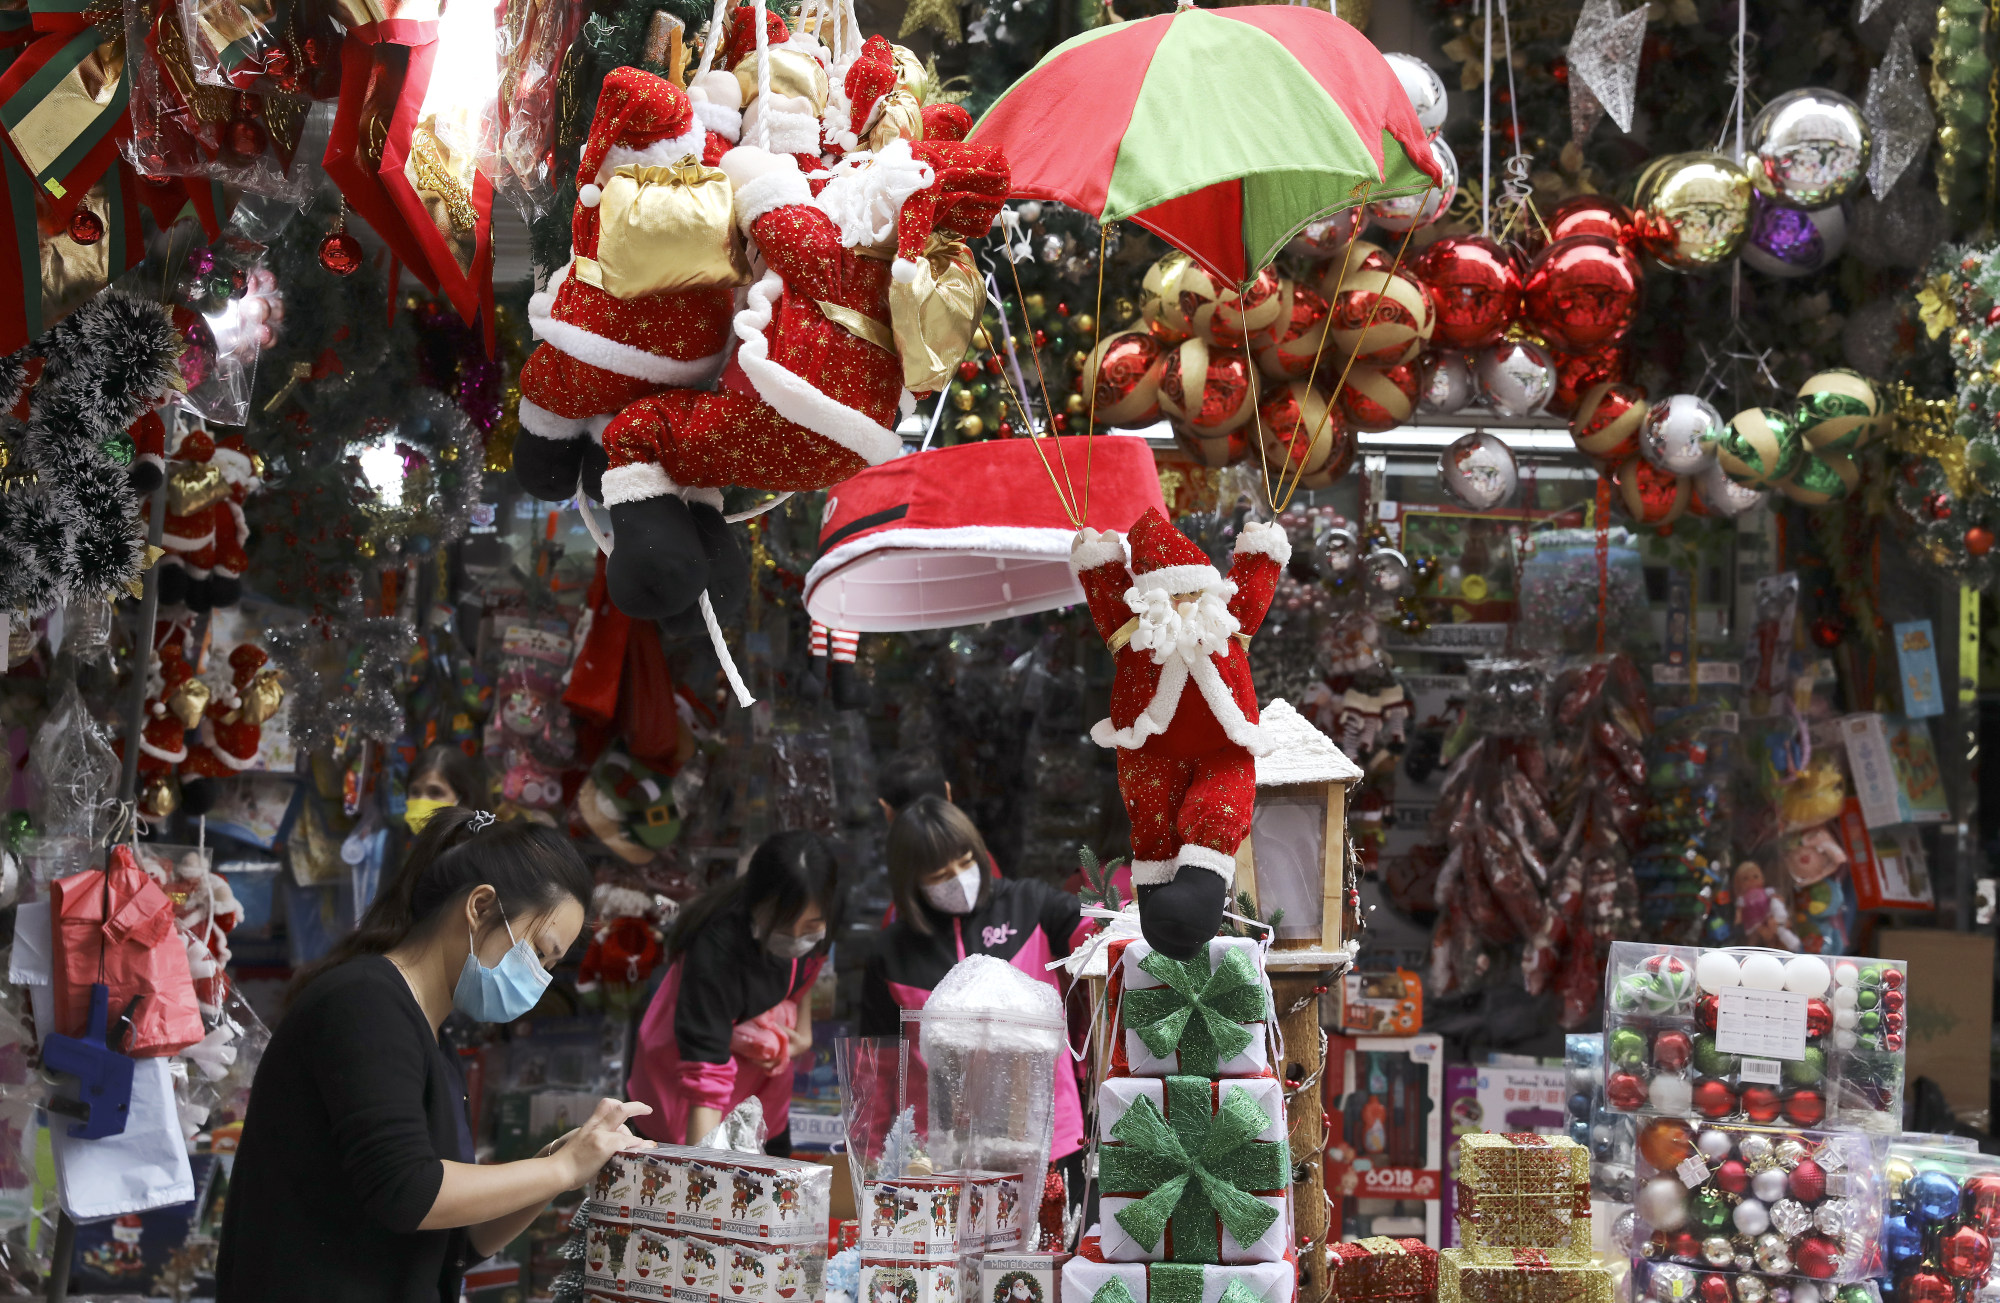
(934, 315)
(665, 229)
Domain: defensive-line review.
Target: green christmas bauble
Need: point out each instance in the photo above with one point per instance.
(1709, 1061)
(1867, 999)
(1707, 1211)
(118, 449)
(1820, 479)
(1839, 411)
(1855, 1294)
(1626, 1048)
(1807, 1071)
(1870, 1021)
(1760, 446)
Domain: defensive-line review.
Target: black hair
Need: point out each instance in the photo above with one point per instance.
(788, 872)
(929, 833)
(530, 867)
(465, 776)
(908, 775)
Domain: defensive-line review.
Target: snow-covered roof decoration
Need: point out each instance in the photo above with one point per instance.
(1300, 753)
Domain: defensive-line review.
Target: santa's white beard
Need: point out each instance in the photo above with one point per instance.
(1190, 628)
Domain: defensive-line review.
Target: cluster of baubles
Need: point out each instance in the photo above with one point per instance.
(1938, 1236)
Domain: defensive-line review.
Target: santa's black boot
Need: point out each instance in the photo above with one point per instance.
(594, 463)
(657, 565)
(728, 568)
(548, 468)
(1177, 918)
(173, 584)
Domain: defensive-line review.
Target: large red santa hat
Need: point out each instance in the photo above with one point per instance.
(868, 82)
(641, 119)
(971, 186)
(944, 122)
(1165, 560)
(741, 41)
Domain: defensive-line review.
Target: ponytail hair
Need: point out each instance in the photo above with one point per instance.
(529, 866)
(788, 871)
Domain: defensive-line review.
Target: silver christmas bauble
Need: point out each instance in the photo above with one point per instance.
(1768, 1185)
(1790, 242)
(1424, 87)
(1754, 1149)
(1515, 377)
(1790, 1218)
(1717, 1251)
(1808, 148)
(1773, 1254)
(1670, 1282)
(1751, 1217)
(1328, 236)
(1662, 1204)
(1751, 1289)
(1833, 1216)
(1677, 433)
(1448, 382)
(1339, 552)
(1714, 1145)
(1791, 1153)
(1725, 497)
(1409, 212)
(1387, 572)
(1478, 469)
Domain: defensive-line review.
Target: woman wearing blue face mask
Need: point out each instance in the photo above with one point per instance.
(352, 1180)
(733, 1011)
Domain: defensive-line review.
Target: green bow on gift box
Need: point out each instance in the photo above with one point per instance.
(1199, 1162)
(1200, 1011)
(1169, 1282)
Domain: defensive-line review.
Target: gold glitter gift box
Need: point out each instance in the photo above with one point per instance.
(1529, 1276)
(1523, 1192)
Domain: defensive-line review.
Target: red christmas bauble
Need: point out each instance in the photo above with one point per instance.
(1965, 1253)
(1892, 1021)
(245, 138)
(1222, 401)
(85, 227)
(1732, 1176)
(1817, 1256)
(1607, 422)
(1980, 1197)
(1302, 434)
(1893, 1041)
(1714, 1099)
(1299, 336)
(340, 253)
(1625, 1090)
(1474, 288)
(1926, 1287)
(1760, 1103)
(1581, 293)
(1892, 1000)
(1591, 215)
(1826, 632)
(1380, 398)
(1979, 540)
(1379, 318)
(1806, 1108)
(1704, 1010)
(1672, 1050)
(1686, 1245)
(1651, 496)
(1938, 506)
(1712, 1288)
(1892, 978)
(1819, 1018)
(968, 371)
(1577, 372)
(1126, 369)
(1807, 1182)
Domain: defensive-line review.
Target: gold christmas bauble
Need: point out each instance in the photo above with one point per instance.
(971, 426)
(1075, 405)
(963, 399)
(1036, 305)
(1085, 323)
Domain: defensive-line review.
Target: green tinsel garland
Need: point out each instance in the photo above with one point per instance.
(1961, 86)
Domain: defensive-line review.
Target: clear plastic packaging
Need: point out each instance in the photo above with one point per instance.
(228, 310)
(1942, 1216)
(534, 38)
(1675, 1282)
(1608, 1136)
(1759, 1036)
(1775, 1200)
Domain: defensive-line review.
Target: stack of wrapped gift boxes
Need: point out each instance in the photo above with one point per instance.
(1194, 1164)
(697, 1224)
(1523, 1224)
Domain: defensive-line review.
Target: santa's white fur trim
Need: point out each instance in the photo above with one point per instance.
(1151, 873)
(718, 88)
(635, 483)
(590, 194)
(659, 154)
(1203, 857)
(1251, 737)
(795, 398)
(186, 543)
(905, 270)
(595, 426)
(171, 757)
(906, 404)
(544, 424)
(1178, 579)
(720, 118)
(1266, 538)
(866, 195)
(1024, 541)
(1159, 712)
(700, 496)
(623, 359)
(793, 126)
(1092, 549)
(778, 188)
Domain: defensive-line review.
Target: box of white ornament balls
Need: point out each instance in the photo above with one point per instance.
(1776, 1200)
(1745, 1035)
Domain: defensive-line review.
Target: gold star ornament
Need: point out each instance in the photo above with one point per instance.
(938, 15)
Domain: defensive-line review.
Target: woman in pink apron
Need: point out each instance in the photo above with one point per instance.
(950, 903)
(731, 1015)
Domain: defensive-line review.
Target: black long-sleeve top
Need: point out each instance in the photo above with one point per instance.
(353, 1111)
(1016, 909)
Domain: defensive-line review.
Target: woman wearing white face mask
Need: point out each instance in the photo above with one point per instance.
(730, 1016)
(949, 904)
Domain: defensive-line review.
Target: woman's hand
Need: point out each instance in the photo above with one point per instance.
(591, 1145)
(802, 1034)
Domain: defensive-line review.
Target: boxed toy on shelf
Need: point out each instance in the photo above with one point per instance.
(1743, 1035)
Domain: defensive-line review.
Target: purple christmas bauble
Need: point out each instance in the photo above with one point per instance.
(1788, 242)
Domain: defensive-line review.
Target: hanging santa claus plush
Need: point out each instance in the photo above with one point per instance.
(817, 378)
(1183, 711)
(600, 352)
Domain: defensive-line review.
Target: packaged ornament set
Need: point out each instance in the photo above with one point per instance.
(1744, 1035)
(1524, 1223)
(674, 1221)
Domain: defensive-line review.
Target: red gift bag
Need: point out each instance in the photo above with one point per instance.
(137, 953)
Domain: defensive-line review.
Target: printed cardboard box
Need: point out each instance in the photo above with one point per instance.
(909, 1281)
(992, 1211)
(1020, 1278)
(919, 1219)
(714, 1192)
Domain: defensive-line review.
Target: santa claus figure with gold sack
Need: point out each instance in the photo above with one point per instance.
(615, 327)
(869, 292)
(1183, 710)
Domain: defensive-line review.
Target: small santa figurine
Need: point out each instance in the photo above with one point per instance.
(232, 730)
(599, 352)
(1183, 710)
(811, 394)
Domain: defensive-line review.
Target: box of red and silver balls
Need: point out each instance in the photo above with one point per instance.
(1758, 1036)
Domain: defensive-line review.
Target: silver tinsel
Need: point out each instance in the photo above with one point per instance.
(1604, 64)
(1898, 109)
(341, 678)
